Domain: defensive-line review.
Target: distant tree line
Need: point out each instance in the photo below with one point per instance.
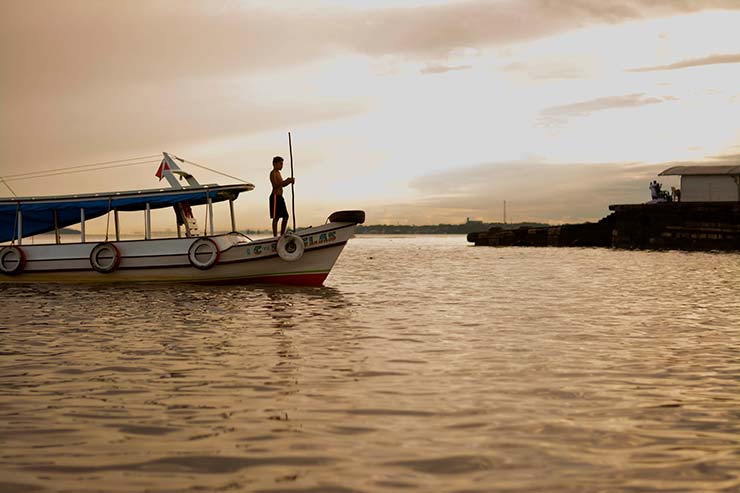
(469, 227)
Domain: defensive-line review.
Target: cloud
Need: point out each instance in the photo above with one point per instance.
(612, 11)
(49, 47)
(693, 62)
(434, 68)
(544, 69)
(146, 118)
(720, 160)
(556, 115)
(534, 191)
(80, 72)
(435, 30)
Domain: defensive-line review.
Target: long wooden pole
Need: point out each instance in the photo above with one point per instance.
(292, 185)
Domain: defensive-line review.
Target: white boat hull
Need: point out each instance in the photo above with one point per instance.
(240, 260)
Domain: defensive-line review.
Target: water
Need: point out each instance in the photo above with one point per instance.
(423, 365)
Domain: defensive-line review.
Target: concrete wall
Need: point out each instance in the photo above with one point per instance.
(705, 188)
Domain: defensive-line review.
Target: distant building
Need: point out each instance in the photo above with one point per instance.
(707, 183)
(468, 221)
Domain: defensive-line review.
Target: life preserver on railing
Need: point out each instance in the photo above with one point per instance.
(203, 253)
(105, 257)
(290, 247)
(12, 260)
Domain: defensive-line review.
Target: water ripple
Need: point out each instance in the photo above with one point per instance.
(425, 365)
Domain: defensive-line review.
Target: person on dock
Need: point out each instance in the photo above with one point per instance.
(654, 190)
(277, 202)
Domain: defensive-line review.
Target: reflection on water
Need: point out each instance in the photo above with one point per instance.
(424, 365)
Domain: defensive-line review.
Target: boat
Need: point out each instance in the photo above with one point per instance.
(301, 257)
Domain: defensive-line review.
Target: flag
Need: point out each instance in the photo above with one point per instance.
(163, 166)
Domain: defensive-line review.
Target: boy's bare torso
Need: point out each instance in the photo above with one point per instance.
(277, 182)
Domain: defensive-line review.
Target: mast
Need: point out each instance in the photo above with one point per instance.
(171, 171)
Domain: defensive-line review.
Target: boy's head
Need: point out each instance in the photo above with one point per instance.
(277, 162)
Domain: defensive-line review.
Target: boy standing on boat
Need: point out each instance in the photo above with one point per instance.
(277, 202)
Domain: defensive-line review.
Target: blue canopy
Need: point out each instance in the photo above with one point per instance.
(38, 213)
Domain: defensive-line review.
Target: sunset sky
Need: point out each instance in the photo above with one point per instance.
(419, 112)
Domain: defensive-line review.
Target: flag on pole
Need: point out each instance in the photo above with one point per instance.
(163, 166)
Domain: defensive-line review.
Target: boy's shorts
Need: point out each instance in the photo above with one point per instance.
(277, 206)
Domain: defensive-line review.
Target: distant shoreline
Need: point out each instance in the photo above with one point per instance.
(469, 227)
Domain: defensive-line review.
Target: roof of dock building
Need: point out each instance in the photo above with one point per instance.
(702, 170)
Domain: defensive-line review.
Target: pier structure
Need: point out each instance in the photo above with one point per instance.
(707, 183)
(707, 218)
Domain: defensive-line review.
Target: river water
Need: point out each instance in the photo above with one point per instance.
(423, 365)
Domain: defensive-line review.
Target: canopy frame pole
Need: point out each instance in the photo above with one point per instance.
(231, 212)
(115, 220)
(20, 226)
(148, 223)
(82, 225)
(57, 234)
(210, 213)
(107, 220)
(205, 219)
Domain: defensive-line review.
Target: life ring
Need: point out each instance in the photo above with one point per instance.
(12, 260)
(203, 253)
(105, 257)
(290, 247)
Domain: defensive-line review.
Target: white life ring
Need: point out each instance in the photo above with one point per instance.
(290, 247)
(203, 253)
(105, 257)
(12, 260)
